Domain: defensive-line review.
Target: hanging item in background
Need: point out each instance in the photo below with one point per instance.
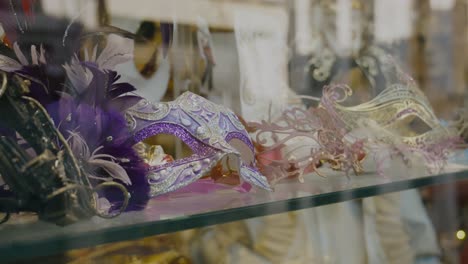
(151, 74)
(362, 71)
(161, 34)
(194, 60)
(392, 20)
(338, 31)
(205, 46)
(263, 58)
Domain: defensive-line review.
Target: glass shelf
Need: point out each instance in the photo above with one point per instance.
(24, 237)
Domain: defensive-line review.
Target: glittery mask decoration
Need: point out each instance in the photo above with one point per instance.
(394, 110)
(300, 141)
(207, 128)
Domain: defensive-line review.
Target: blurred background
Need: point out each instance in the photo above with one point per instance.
(248, 54)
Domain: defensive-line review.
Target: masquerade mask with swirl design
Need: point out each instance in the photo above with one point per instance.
(394, 109)
(401, 112)
(214, 133)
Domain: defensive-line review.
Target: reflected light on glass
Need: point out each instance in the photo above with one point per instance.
(461, 234)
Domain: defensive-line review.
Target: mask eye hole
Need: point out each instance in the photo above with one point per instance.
(411, 126)
(158, 148)
(246, 153)
(226, 171)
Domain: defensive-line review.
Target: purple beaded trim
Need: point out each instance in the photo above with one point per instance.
(241, 137)
(205, 127)
(196, 145)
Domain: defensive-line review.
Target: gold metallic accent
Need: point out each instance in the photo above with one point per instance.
(124, 203)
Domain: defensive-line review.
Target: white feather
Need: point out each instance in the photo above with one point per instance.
(9, 65)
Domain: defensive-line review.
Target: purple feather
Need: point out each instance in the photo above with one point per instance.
(104, 92)
(108, 132)
(87, 103)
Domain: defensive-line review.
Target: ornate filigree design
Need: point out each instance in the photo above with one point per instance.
(306, 140)
(392, 110)
(205, 127)
(301, 140)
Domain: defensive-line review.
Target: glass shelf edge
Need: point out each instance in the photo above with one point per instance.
(61, 243)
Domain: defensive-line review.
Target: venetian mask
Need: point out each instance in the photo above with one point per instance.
(215, 135)
(400, 116)
(401, 108)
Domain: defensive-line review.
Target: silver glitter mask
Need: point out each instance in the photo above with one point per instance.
(213, 132)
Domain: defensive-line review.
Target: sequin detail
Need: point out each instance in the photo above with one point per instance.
(205, 127)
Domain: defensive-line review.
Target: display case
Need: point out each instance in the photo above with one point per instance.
(233, 131)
